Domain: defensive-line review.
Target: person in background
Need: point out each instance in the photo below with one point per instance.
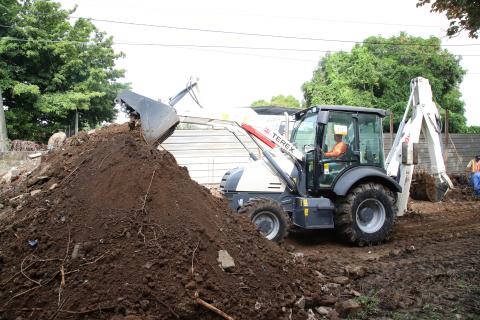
(473, 170)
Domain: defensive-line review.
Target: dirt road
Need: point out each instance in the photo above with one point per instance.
(429, 270)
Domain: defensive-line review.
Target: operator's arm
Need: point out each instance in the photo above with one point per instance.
(339, 149)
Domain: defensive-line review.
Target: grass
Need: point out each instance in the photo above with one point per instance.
(370, 306)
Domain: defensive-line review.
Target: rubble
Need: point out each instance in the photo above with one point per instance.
(355, 272)
(225, 260)
(347, 308)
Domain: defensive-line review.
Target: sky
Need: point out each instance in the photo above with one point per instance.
(235, 77)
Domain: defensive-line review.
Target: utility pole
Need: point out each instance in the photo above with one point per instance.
(76, 121)
(3, 127)
(447, 138)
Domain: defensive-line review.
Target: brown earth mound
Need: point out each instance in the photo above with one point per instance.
(423, 188)
(119, 229)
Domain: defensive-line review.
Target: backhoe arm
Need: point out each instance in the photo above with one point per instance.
(402, 157)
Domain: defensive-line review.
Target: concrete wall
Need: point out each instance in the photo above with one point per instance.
(208, 154)
(10, 159)
(460, 150)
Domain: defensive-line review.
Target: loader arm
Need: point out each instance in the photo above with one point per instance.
(158, 122)
(401, 159)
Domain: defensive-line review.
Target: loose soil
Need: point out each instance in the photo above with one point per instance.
(119, 229)
(429, 269)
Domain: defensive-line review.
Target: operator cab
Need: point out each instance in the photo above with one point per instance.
(335, 139)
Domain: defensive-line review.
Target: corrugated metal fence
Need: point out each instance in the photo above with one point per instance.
(208, 154)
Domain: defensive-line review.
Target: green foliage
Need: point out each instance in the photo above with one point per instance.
(370, 306)
(377, 74)
(49, 68)
(278, 101)
(463, 14)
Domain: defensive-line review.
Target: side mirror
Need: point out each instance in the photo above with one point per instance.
(322, 117)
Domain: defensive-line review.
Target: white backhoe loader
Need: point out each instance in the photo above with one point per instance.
(331, 173)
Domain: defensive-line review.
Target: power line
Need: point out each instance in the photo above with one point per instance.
(303, 18)
(210, 48)
(138, 24)
(182, 45)
(266, 35)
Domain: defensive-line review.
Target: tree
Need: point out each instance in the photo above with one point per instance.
(463, 14)
(377, 73)
(50, 68)
(278, 101)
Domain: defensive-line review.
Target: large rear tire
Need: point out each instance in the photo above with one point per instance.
(366, 215)
(268, 217)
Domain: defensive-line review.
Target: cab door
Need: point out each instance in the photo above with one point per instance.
(339, 147)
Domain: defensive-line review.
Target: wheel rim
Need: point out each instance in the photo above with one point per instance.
(267, 223)
(370, 215)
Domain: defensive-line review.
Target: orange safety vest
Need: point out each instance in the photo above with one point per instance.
(474, 165)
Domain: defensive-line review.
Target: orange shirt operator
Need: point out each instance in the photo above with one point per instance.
(339, 149)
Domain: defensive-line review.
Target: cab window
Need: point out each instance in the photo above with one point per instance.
(304, 132)
(371, 139)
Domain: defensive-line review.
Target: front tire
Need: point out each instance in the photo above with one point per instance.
(366, 215)
(268, 217)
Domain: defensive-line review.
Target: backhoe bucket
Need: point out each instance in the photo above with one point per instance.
(158, 120)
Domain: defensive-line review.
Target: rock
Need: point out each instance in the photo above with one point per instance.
(311, 315)
(355, 272)
(148, 265)
(298, 255)
(76, 251)
(355, 293)
(332, 285)
(328, 300)
(35, 192)
(56, 140)
(347, 308)
(1, 206)
(17, 198)
(35, 155)
(53, 186)
(323, 311)
(319, 274)
(225, 260)
(410, 249)
(11, 175)
(290, 248)
(89, 132)
(341, 280)
(301, 303)
(333, 315)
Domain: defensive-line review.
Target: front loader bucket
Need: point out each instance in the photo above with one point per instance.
(158, 120)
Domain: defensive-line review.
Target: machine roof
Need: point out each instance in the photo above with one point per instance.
(380, 112)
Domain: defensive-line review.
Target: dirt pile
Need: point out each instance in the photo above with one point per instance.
(423, 188)
(108, 227)
(462, 190)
